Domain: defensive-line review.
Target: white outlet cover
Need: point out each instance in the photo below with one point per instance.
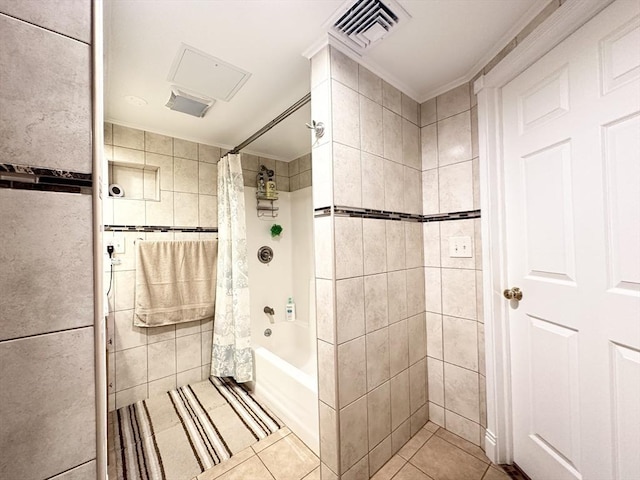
(460, 247)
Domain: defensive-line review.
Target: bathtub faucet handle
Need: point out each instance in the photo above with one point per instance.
(268, 310)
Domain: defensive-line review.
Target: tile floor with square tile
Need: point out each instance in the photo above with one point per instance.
(432, 454)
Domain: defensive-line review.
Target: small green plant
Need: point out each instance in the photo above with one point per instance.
(275, 230)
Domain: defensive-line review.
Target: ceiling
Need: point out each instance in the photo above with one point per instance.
(444, 44)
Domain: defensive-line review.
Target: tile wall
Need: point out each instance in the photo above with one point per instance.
(369, 272)
(290, 175)
(47, 374)
(142, 361)
(453, 286)
(145, 361)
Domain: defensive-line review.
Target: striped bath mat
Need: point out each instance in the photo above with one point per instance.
(180, 434)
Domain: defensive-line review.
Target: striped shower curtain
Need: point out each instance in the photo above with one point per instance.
(231, 354)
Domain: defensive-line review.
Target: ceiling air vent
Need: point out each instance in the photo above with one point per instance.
(364, 23)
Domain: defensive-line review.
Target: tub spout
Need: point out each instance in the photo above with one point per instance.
(270, 312)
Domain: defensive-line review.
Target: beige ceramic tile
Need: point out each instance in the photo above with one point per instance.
(454, 101)
(185, 149)
(436, 414)
(414, 245)
(439, 459)
(371, 130)
(345, 115)
(433, 290)
(131, 368)
(428, 112)
(459, 293)
(375, 302)
(344, 69)
(463, 427)
(396, 250)
(156, 143)
(227, 465)
(208, 153)
(347, 176)
(461, 393)
(348, 247)
(418, 385)
(41, 101)
(188, 352)
(328, 435)
(162, 359)
(252, 468)
(399, 399)
(370, 85)
(455, 187)
(35, 261)
(352, 371)
(429, 147)
(411, 145)
(379, 455)
(417, 338)
(48, 377)
(434, 335)
(315, 475)
(454, 139)
(324, 310)
(372, 182)
(320, 67)
(353, 433)
(374, 246)
(390, 468)
(379, 414)
(463, 444)
(323, 243)
(435, 379)
(397, 295)
(430, 192)
(391, 98)
(377, 357)
(415, 291)
(460, 342)
(409, 109)
(326, 373)
(392, 135)
(409, 472)
(400, 436)
(350, 308)
(494, 473)
(412, 191)
(289, 459)
(398, 347)
(185, 209)
(358, 471)
(393, 186)
(126, 334)
(416, 442)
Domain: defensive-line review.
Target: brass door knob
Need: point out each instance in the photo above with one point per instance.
(513, 294)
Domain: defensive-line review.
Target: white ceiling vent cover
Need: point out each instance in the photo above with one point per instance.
(206, 75)
(362, 24)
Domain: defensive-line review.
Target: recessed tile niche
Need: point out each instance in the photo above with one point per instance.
(138, 182)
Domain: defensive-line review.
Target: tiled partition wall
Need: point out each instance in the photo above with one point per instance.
(370, 276)
(144, 361)
(47, 374)
(455, 330)
(455, 323)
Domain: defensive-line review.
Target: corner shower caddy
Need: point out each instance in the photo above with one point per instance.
(265, 198)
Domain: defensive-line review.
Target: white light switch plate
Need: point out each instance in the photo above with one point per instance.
(460, 247)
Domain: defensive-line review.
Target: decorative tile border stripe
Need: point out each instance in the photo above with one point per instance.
(399, 216)
(24, 177)
(158, 228)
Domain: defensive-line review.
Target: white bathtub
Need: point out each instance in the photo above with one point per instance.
(287, 382)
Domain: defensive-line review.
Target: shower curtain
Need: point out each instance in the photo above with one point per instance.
(231, 354)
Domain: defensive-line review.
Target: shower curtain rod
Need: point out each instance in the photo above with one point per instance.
(293, 108)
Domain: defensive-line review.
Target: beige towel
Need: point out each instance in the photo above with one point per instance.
(175, 282)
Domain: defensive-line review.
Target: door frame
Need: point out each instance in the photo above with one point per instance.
(561, 24)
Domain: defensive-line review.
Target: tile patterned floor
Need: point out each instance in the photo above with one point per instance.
(432, 454)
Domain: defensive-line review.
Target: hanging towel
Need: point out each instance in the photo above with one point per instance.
(175, 282)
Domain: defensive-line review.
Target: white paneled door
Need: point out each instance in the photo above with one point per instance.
(571, 142)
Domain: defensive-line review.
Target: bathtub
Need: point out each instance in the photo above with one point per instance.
(286, 382)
